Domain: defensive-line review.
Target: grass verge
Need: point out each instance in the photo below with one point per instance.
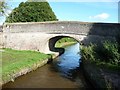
(66, 41)
(64, 44)
(13, 61)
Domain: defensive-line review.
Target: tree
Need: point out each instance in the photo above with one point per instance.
(3, 7)
(32, 12)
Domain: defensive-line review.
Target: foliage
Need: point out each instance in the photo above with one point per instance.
(66, 39)
(107, 52)
(111, 50)
(88, 52)
(65, 42)
(3, 7)
(32, 12)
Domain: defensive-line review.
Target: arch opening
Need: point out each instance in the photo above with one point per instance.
(54, 43)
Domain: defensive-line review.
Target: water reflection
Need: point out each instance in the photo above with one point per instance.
(68, 62)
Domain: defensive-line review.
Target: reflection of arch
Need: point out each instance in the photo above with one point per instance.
(52, 42)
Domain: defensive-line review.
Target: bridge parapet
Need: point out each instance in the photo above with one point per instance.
(65, 27)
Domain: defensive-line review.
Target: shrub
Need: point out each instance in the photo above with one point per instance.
(108, 52)
(111, 50)
(88, 52)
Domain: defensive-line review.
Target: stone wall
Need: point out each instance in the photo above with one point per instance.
(66, 27)
(33, 41)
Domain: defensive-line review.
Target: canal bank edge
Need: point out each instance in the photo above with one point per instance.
(32, 68)
(100, 78)
(29, 69)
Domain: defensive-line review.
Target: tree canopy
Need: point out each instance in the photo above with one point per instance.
(3, 7)
(32, 12)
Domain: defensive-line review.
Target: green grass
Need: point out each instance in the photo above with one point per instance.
(14, 60)
(65, 42)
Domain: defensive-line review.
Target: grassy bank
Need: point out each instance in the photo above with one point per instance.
(13, 61)
(65, 42)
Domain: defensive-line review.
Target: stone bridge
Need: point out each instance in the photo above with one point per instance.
(42, 36)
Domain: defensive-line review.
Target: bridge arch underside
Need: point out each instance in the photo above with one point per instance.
(53, 41)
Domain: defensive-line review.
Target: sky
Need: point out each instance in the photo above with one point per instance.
(71, 10)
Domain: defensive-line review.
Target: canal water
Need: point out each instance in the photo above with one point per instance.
(63, 72)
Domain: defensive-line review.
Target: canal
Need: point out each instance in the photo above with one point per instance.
(64, 72)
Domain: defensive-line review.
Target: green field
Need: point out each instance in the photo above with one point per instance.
(14, 60)
(65, 42)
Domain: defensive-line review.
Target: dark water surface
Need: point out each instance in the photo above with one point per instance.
(63, 72)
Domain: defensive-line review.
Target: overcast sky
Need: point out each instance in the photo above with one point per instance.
(77, 10)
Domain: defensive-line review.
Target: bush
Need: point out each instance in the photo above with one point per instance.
(88, 53)
(111, 50)
(108, 52)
